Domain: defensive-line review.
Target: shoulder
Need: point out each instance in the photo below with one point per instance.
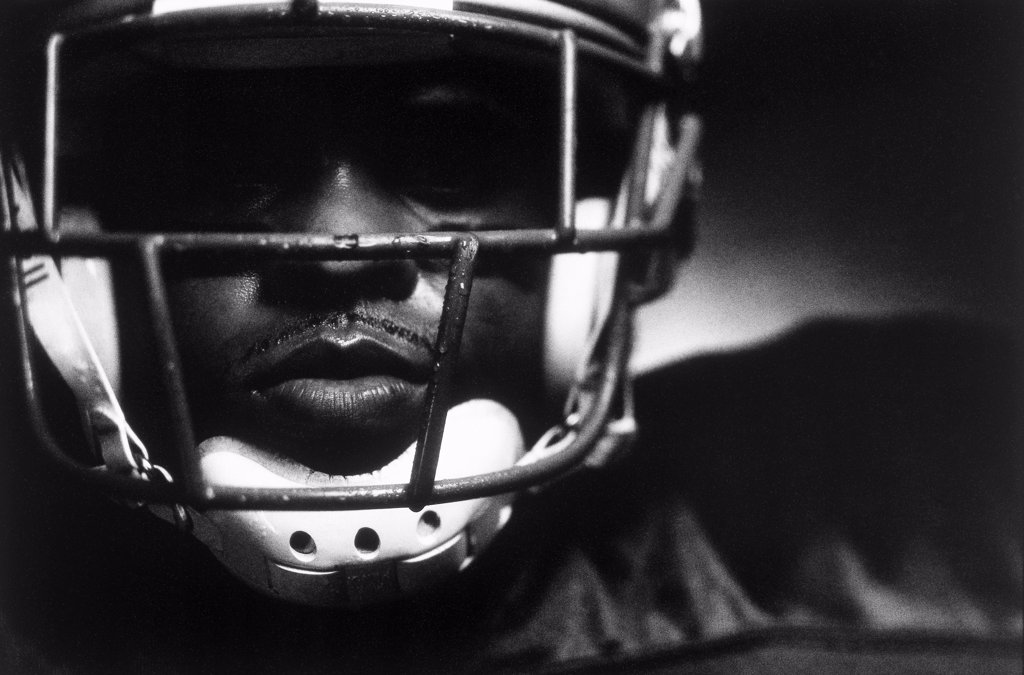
(844, 402)
(839, 497)
(883, 375)
(860, 473)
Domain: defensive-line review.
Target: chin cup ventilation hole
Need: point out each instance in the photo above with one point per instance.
(428, 524)
(302, 545)
(367, 541)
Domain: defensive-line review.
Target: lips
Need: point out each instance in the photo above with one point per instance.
(347, 374)
(337, 399)
(354, 355)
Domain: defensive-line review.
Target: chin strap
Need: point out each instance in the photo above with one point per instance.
(59, 329)
(60, 332)
(354, 558)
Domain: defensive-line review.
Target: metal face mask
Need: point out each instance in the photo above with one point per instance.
(348, 537)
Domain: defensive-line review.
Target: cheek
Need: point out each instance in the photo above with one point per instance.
(503, 335)
(209, 311)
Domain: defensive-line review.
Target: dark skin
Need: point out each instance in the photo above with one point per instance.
(275, 353)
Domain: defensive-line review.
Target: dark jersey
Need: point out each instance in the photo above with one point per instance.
(846, 499)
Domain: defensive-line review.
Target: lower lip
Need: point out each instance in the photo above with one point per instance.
(356, 403)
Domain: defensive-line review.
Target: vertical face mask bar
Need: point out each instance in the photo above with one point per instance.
(567, 156)
(167, 349)
(50, 140)
(677, 188)
(439, 392)
(640, 165)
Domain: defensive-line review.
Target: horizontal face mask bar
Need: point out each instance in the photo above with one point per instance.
(201, 496)
(302, 247)
(459, 247)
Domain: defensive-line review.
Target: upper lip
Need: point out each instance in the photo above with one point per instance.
(337, 354)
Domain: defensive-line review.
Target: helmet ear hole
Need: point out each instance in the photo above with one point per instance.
(90, 285)
(580, 290)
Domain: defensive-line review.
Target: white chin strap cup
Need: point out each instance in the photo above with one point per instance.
(353, 558)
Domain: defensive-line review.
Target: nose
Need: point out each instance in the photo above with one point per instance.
(346, 199)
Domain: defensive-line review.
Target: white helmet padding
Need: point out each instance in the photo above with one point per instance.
(353, 557)
(580, 290)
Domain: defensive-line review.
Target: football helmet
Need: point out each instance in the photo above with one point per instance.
(308, 536)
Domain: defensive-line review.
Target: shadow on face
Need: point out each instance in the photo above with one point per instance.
(328, 362)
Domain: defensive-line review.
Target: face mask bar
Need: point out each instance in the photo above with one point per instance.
(647, 228)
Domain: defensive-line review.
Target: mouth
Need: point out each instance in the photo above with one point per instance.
(338, 401)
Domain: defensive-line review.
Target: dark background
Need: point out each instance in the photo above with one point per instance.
(862, 158)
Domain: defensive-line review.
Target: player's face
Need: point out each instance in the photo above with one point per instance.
(328, 362)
